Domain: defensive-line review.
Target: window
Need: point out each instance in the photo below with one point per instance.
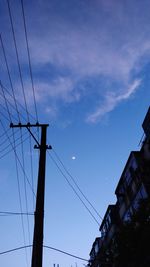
(103, 231)
(127, 177)
(143, 192)
(96, 248)
(127, 216)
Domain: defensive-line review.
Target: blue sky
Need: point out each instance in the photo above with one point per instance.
(90, 63)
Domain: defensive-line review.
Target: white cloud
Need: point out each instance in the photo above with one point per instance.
(60, 88)
(100, 39)
(111, 101)
(106, 41)
(52, 111)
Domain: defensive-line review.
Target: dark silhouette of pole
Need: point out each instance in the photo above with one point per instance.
(37, 251)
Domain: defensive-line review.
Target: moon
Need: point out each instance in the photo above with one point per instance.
(73, 157)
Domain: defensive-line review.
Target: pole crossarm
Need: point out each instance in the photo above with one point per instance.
(28, 126)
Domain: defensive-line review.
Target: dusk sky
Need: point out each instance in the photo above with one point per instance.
(90, 63)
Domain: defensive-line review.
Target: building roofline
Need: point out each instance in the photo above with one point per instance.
(103, 221)
(96, 239)
(146, 118)
(135, 153)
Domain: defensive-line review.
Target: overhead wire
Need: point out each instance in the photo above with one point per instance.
(19, 193)
(13, 94)
(74, 181)
(15, 249)
(10, 150)
(16, 108)
(17, 139)
(30, 142)
(29, 58)
(12, 106)
(76, 193)
(4, 89)
(9, 213)
(31, 166)
(66, 253)
(32, 82)
(25, 186)
(37, 117)
(17, 57)
(25, 101)
(1, 136)
(52, 248)
(75, 184)
(5, 140)
(10, 80)
(5, 115)
(18, 104)
(6, 102)
(13, 147)
(72, 186)
(21, 79)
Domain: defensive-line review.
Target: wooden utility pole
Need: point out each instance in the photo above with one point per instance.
(37, 251)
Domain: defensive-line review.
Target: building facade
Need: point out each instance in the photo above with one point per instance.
(133, 187)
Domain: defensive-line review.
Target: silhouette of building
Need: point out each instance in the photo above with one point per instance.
(133, 186)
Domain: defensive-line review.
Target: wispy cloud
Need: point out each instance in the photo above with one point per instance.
(111, 101)
(102, 39)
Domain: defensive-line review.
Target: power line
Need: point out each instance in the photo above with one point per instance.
(25, 188)
(19, 104)
(16, 161)
(22, 154)
(73, 188)
(13, 148)
(9, 213)
(31, 75)
(17, 139)
(66, 253)
(17, 173)
(72, 178)
(5, 140)
(16, 165)
(19, 192)
(31, 165)
(5, 115)
(17, 56)
(4, 133)
(29, 58)
(21, 79)
(12, 107)
(8, 71)
(14, 249)
(3, 88)
(56, 249)
(5, 101)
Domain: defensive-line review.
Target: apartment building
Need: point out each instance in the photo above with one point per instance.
(133, 186)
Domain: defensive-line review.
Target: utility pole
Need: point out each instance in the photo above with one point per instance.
(37, 250)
